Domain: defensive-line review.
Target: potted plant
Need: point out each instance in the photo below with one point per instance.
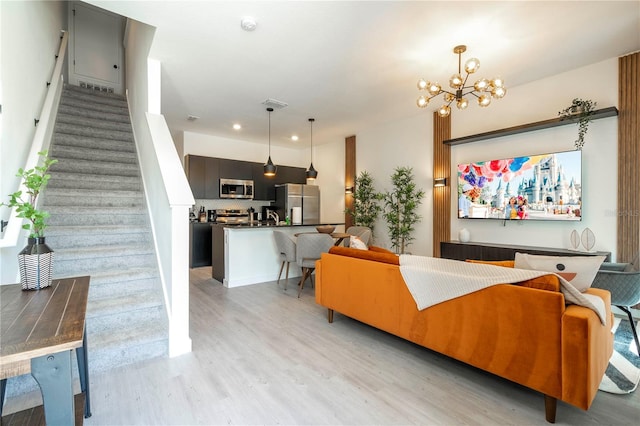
(583, 109)
(366, 202)
(400, 208)
(36, 259)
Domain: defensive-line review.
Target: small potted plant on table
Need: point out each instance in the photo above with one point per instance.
(36, 259)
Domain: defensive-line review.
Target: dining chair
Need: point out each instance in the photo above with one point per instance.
(362, 232)
(624, 285)
(309, 248)
(287, 248)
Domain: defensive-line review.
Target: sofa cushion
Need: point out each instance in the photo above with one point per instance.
(545, 282)
(376, 254)
(578, 270)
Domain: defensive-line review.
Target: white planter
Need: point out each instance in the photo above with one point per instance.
(464, 236)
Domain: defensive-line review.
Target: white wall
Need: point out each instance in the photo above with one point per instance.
(166, 188)
(29, 41)
(405, 143)
(538, 101)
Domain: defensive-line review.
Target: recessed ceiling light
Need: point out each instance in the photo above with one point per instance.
(237, 126)
(294, 137)
(248, 23)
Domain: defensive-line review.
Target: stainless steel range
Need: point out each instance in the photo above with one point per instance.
(232, 216)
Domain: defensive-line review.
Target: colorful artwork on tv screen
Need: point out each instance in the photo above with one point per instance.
(536, 187)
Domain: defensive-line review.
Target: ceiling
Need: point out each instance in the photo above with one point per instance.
(355, 64)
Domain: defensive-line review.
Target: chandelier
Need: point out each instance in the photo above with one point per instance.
(482, 89)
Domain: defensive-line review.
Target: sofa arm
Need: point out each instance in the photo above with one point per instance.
(587, 346)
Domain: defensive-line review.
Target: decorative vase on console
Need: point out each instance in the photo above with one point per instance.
(464, 236)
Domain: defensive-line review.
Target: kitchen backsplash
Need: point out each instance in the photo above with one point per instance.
(229, 204)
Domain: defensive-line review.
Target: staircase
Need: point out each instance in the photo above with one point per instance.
(99, 226)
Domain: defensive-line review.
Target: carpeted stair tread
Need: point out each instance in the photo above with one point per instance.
(73, 215)
(113, 283)
(75, 111)
(92, 197)
(93, 123)
(55, 231)
(92, 235)
(62, 139)
(88, 153)
(87, 104)
(94, 96)
(111, 350)
(75, 129)
(126, 303)
(91, 181)
(96, 167)
(103, 252)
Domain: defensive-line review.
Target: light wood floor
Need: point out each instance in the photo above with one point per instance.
(263, 356)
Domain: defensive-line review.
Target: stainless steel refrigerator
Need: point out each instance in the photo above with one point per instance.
(290, 195)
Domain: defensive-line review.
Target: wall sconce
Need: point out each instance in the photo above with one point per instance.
(348, 190)
(440, 182)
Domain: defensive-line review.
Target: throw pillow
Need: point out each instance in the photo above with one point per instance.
(578, 270)
(357, 243)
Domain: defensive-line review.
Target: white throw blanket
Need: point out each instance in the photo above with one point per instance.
(433, 280)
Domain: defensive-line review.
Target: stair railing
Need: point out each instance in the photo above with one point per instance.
(41, 138)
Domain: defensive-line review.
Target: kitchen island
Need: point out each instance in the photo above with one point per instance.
(247, 254)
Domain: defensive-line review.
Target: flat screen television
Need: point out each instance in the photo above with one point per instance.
(535, 187)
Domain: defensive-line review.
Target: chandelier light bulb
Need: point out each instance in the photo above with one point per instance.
(444, 111)
(455, 81)
(434, 88)
(422, 85)
(462, 103)
(499, 92)
(448, 97)
(484, 100)
(481, 85)
(422, 102)
(497, 82)
(472, 65)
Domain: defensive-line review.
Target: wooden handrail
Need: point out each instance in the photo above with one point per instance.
(41, 138)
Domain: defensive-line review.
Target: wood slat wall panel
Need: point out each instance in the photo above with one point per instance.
(349, 176)
(628, 245)
(442, 194)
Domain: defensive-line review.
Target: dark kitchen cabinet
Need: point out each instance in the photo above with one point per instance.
(212, 178)
(235, 169)
(199, 244)
(196, 170)
(288, 174)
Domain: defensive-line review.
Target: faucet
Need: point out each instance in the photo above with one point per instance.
(273, 215)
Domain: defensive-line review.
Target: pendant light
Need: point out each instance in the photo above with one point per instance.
(270, 169)
(312, 173)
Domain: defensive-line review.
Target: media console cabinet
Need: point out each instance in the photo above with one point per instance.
(487, 251)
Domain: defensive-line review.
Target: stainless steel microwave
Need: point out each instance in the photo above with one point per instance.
(236, 188)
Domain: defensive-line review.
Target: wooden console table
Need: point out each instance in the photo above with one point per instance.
(488, 251)
(39, 329)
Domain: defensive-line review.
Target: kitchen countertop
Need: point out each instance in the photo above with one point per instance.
(263, 224)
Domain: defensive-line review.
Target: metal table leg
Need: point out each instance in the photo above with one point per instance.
(53, 374)
(83, 368)
(3, 388)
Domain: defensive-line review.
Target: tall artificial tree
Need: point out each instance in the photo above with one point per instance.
(400, 208)
(366, 206)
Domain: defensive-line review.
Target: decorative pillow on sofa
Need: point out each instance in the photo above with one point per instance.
(357, 243)
(578, 270)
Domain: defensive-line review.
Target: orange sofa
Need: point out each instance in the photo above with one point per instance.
(524, 333)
